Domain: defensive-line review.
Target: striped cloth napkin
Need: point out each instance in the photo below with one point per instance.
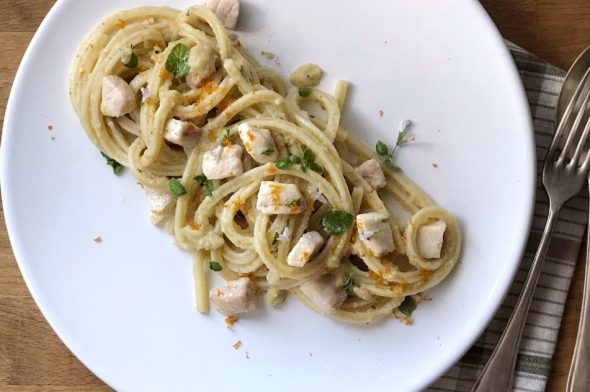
(542, 83)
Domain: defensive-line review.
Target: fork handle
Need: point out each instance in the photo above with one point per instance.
(498, 373)
(579, 378)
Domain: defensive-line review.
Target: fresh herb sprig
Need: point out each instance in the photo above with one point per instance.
(215, 266)
(350, 285)
(336, 222)
(177, 61)
(176, 187)
(205, 183)
(383, 151)
(117, 167)
(408, 306)
(305, 162)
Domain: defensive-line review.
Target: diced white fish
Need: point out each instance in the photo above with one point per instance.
(182, 133)
(201, 60)
(259, 143)
(430, 239)
(118, 98)
(372, 172)
(236, 297)
(326, 293)
(162, 203)
(223, 162)
(307, 247)
(275, 198)
(227, 11)
(375, 233)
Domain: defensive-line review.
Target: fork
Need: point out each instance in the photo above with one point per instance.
(564, 173)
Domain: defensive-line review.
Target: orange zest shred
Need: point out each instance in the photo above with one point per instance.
(193, 225)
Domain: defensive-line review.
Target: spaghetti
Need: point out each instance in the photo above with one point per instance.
(219, 96)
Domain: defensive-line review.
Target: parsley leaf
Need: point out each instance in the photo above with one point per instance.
(295, 159)
(316, 168)
(408, 306)
(350, 285)
(305, 91)
(336, 222)
(117, 167)
(244, 72)
(215, 266)
(176, 188)
(284, 164)
(177, 61)
(205, 183)
(130, 60)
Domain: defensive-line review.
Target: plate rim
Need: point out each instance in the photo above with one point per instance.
(496, 299)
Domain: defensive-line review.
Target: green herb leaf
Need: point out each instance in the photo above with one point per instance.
(295, 159)
(304, 167)
(284, 164)
(176, 188)
(402, 138)
(177, 61)
(336, 222)
(350, 285)
(130, 60)
(275, 238)
(117, 167)
(305, 91)
(215, 266)
(270, 151)
(244, 72)
(382, 149)
(408, 306)
(205, 183)
(316, 168)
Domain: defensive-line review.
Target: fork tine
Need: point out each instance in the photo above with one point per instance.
(580, 115)
(573, 132)
(581, 145)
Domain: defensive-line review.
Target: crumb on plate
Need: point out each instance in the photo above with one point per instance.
(237, 345)
(97, 239)
(230, 321)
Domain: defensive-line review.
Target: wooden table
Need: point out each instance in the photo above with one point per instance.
(32, 358)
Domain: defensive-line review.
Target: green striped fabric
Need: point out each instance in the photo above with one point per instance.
(542, 83)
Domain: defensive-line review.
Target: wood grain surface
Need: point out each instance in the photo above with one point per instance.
(32, 358)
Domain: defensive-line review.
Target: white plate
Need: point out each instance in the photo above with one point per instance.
(125, 307)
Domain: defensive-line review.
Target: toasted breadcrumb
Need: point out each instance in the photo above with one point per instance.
(50, 127)
(237, 345)
(435, 165)
(230, 321)
(97, 239)
(52, 138)
(247, 356)
(381, 113)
